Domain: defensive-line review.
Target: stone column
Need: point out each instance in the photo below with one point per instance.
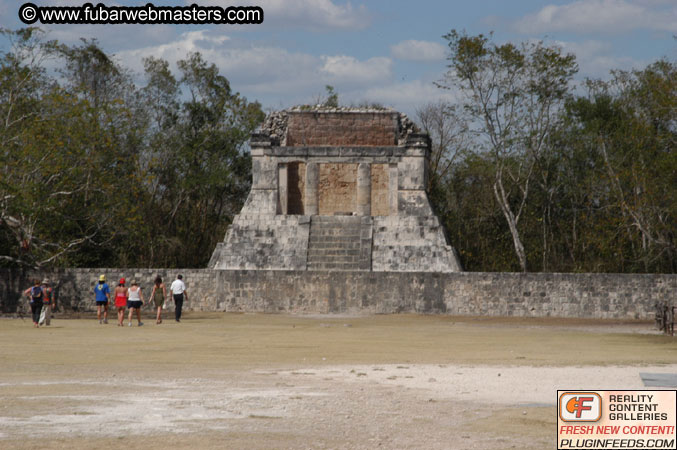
(283, 191)
(312, 181)
(364, 189)
(412, 199)
(392, 189)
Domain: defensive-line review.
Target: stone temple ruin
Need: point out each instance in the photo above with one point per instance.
(339, 190)
(338, 221)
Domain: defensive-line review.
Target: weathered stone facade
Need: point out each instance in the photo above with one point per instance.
(604, 296)
(330, 128)
(313, 168)
(338, 221)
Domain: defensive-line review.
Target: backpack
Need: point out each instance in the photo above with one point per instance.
(36, 293)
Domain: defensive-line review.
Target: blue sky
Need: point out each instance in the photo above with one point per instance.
(388, 52)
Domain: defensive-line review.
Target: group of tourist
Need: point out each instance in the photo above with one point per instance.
(41, 303)
(132, 298)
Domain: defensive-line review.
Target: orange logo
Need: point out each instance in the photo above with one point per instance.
(577, 404)
(580, 407)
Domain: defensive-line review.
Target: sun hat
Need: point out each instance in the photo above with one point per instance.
(45, 281)
(122, 281)
(102, 278)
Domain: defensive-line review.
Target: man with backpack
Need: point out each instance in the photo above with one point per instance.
(35, 296)
(47, 303)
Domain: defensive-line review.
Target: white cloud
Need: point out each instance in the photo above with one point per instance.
(413, 50)
(281, 78)
(346, 69)
(315, 15)
(240, 64)
(406, 96)
(268, 72)
(609, 16)
(124, 36)
(595, 59)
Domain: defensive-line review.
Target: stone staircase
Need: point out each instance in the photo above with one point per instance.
(340, 243)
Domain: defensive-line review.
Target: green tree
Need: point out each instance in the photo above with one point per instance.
(21, 81)
(112, 129)
(449, 137)
(96, 172)
(198, 165)
(332, 100)
(49, 198)
(627, 128)
(512, 96)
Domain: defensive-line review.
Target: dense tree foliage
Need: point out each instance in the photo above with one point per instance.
(96, 171)
(512, 97)
(527, 172)
(550, 178)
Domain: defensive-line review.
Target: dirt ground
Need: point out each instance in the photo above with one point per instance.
(295, 382)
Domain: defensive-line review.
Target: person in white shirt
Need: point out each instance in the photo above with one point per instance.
(135, 302)
(178, 289)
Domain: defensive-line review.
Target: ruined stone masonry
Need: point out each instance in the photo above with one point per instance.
(338, 221)
(341, 190)
(580, 295)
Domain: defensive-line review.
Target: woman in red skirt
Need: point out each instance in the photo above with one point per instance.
(121, 301)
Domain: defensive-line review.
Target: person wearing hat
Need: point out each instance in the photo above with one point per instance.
(121, 301)
(47, 303)
(102, 292)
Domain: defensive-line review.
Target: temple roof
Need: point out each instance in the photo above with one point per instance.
(277, 124)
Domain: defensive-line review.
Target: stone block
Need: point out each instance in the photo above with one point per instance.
(413, 203)
(411, 173)
(264, 173)
(261, 202)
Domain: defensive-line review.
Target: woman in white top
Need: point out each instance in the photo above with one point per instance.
(135, 302)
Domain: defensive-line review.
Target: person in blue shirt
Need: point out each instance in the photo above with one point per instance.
(102, 293)
(35, 296)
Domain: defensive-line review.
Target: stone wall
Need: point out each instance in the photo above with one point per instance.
(259, 241)
(380, 203)
(411, 244)
(345, 128)
(608, 296)
(337, 189)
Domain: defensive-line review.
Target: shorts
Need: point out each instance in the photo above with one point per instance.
(134, 304)
(101, 303)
